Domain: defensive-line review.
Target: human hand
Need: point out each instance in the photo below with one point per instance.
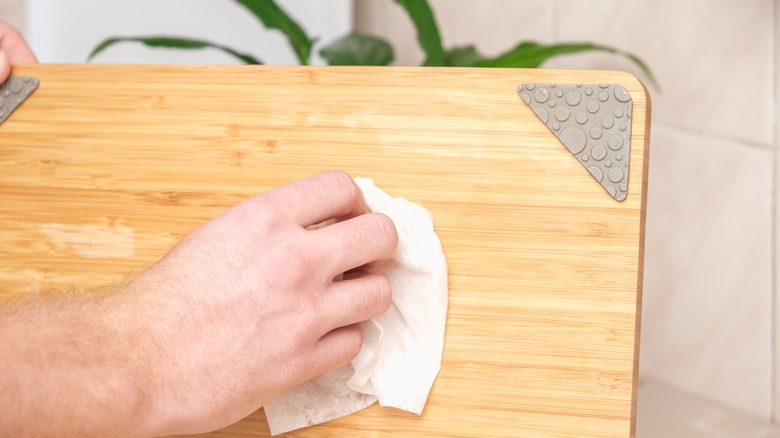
(13, 50)
(247, 306)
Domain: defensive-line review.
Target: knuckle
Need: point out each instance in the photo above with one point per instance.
(385, 294)
(386, 229)
(376, 297)
(291, 267)
(344, 182)
(339, 176)
(353, 341)
(298, 264)
(258, 214)
(344, 344)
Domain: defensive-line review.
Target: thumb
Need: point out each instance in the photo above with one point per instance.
(5, 66)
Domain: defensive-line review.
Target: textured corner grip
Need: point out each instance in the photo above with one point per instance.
(13, 92)
(593, 122)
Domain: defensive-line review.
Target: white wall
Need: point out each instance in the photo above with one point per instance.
(67, 30)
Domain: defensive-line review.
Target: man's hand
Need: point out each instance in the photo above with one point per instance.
(13, 50)
(245, 307)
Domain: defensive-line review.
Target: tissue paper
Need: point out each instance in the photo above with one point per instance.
(402, 349)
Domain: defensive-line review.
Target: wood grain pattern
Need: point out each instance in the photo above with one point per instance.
(106, 167)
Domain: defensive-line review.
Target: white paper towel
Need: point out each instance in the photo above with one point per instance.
(402, 348)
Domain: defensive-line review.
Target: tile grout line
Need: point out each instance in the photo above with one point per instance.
(725, 412)
(713, 136)
(773, 301)
(775, 304)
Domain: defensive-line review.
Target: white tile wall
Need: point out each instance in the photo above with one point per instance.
(707, 314)
(708, 291)
(713, 59)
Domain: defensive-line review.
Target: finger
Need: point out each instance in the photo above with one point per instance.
(13, 44)
(310, 201)
(336, 349)
(5, 66)
(359, 297)
(357, 242)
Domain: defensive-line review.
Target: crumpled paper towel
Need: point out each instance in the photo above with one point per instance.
(402, 349)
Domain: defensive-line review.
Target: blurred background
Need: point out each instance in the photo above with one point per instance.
(710, 350)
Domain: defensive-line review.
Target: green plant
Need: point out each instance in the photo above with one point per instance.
(360, 49)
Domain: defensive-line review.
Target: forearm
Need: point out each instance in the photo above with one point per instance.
(66, 370)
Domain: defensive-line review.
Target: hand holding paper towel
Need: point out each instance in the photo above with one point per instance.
(402, 349)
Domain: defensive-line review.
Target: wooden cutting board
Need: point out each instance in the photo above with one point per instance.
(104, 168)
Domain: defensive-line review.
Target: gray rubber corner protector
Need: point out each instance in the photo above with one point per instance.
(593, 122)
(13, 92)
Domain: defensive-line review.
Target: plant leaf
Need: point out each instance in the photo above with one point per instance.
(273, 17)
(466, 56)
(427, 30)
(358, 49)
(172, 43)
(529, 54)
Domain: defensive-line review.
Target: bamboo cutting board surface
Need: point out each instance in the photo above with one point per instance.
(104, 168)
